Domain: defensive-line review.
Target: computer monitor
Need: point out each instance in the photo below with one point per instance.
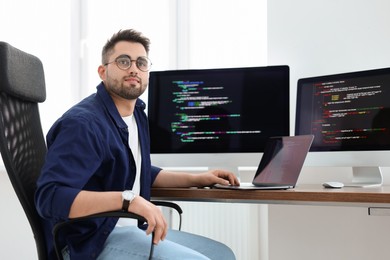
(349, 115)
(216, 118)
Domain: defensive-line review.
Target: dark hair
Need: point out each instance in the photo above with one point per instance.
(129, 35)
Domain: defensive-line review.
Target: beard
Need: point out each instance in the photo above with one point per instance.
(129, 92)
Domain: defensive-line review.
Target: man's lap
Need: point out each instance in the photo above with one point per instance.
(130, 242)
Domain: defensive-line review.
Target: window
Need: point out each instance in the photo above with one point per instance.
(43, 28)
(68, 36)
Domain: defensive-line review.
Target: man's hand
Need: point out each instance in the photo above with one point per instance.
(216, 177)
(166, 179)
(154, 217)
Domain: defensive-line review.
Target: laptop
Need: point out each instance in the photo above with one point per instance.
(280, 165)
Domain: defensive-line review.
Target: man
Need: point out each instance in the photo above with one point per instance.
(99, 160)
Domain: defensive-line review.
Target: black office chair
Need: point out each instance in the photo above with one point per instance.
(22, 144)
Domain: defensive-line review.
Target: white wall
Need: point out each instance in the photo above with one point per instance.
(317, 38)
(43, 28)
(16, 237)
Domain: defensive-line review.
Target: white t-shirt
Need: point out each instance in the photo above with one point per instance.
(136, 151)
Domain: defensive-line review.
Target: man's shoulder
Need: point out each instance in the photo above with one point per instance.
(85, 114)
(87, 108)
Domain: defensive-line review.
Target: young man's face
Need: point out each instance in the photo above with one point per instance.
(130, 83)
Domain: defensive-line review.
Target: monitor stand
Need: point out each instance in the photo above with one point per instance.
(366, 177)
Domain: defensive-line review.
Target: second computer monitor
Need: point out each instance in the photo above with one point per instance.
(349, 115)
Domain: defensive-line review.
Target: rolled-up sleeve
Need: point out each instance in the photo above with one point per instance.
(154, 172)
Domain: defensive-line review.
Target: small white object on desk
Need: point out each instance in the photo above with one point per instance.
(333, 184)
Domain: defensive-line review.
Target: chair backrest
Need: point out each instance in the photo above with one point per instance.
(22, 144)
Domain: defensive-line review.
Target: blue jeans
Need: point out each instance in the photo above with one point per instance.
(130, 242)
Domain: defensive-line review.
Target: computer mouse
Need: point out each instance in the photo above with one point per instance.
(333, 184)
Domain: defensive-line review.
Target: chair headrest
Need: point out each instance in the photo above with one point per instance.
(21, 74)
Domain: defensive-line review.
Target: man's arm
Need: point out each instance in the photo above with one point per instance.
(90, 202)
(184, 179)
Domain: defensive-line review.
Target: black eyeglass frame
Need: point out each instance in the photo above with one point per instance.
(138, 61)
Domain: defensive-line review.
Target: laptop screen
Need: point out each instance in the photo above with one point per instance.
(283, 159)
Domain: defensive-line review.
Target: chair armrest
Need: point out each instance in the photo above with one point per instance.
(170, 205)
(117, 214)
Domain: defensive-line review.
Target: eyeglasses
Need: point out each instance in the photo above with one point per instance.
(124, 62)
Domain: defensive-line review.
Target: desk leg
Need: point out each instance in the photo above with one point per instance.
(263, 233)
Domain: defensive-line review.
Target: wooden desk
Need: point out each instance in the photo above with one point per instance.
(301, 195)
(376, 200)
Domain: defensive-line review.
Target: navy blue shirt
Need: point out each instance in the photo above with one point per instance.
(88, 150)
